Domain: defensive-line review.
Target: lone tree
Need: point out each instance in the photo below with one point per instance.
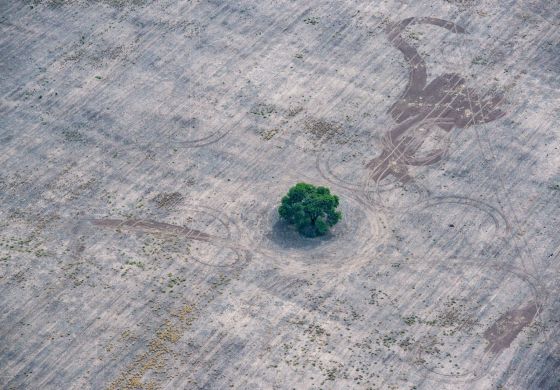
(311, 209)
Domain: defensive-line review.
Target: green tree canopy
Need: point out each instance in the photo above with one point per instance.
(312, 210)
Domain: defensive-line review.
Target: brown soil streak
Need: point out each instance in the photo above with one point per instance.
(153, 225)
(502, 333)
(446, 102)
(166, 228)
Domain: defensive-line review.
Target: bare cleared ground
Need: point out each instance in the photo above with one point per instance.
(144, 149)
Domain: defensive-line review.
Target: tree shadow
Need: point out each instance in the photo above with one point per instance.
(286, 236)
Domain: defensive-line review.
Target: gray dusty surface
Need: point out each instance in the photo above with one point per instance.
(145, 146)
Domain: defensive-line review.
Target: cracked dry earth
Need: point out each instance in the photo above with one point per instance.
(145, 146)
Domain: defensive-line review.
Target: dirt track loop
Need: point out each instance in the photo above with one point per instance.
(145, 147)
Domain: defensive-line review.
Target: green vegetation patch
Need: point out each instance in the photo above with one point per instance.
(312, 210)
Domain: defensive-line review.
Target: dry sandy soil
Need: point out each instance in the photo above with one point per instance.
(144, 149)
